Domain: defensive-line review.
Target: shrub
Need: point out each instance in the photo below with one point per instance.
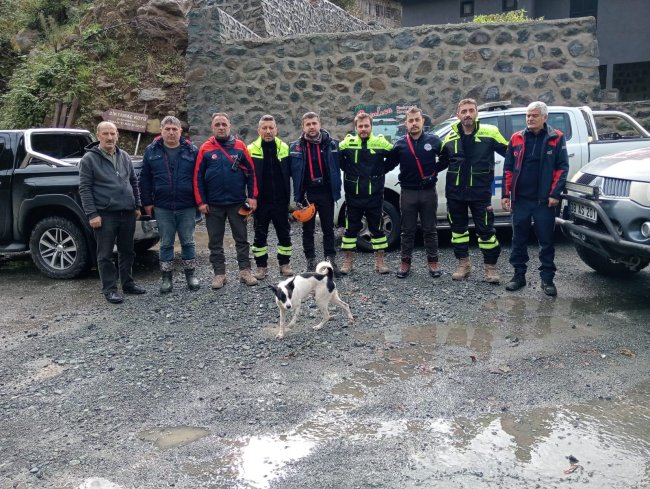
(505, 17)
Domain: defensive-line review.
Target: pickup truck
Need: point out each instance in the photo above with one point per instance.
(590, 134)
(40, 207)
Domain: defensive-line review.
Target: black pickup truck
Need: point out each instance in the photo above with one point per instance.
(40, 207)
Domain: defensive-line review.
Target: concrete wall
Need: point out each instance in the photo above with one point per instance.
(434, 65)
(420, 12)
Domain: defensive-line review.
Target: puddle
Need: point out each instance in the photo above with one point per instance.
(172, 437)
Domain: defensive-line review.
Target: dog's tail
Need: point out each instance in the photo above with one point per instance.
(325, 268)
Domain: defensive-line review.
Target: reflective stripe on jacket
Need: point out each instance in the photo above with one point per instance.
(257, 153)
(363, 162)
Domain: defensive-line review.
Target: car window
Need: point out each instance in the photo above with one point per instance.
(615, 127)
(6, 155)
(60, 145)
(557, 120)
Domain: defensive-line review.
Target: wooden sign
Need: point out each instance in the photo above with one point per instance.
(131, 121)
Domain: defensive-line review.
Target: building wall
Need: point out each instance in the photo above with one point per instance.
(421, 12)
(433, 66)
(389, 15)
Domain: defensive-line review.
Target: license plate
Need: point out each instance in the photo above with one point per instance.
(582, 211)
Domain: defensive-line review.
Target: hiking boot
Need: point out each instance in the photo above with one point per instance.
(404, 267)
(434, 267)
(166, 284)
(380, 263)
(549, 288)
(492, 274)
(192, 281)
(285, 270)
(516, 283)
(260, 273)
(463, 269)
(348, 259)
(246, 277)
(218, 281)
(335, 268)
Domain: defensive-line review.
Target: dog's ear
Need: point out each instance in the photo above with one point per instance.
(291, 285)
(274, 288)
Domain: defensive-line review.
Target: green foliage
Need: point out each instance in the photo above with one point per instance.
(42, 80)
(505, 17)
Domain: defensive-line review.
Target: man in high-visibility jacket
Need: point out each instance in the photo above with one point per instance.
(363, 161)
(469, 159)
(273, 167)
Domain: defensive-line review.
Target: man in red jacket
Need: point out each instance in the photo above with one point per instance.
(224, 179)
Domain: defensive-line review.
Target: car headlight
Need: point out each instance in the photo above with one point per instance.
(640, 193)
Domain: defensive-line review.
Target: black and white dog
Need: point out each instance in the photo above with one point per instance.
(290, 293)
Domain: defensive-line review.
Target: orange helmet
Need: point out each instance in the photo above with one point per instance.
(305, 214)
(246, 211)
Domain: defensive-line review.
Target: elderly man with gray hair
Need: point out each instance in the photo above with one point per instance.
(166, 183)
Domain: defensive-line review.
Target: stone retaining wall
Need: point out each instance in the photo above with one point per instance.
(553, 61)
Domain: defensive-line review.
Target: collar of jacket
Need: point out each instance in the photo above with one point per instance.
(94, 147)
(185, 142)
(458, 128)
(548, 131)
(281, 146)
(325, 138)
(228, 143)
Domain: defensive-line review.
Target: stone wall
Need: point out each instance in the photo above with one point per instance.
(639, 110)
(553, 61)
(213, 27)
(279, 18)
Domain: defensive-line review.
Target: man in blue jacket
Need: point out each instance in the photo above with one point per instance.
(316, 175)
(417, 154)
(224, 179)
(166, 189)
(535, 172)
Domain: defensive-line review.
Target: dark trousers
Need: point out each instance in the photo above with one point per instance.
(215, 223)
(483, 216)
(355, 209)
(278, 215)
(321, 197)
(422, 203)
(118, 229)
(523, 212)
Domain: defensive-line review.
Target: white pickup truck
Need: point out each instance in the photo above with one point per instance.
(589, 134)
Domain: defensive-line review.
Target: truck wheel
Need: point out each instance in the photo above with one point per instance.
(392, 227)
(143, 245)
(604, 265)
(59, 248)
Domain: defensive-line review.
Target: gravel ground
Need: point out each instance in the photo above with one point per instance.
(192, 390)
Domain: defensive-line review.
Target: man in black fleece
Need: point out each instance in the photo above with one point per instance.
(111, 199)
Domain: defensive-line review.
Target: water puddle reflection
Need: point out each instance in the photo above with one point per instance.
(171, 437)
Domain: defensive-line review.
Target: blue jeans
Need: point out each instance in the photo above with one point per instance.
(523, 212)
(171, 222)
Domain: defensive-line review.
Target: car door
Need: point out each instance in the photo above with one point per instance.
(6, 171)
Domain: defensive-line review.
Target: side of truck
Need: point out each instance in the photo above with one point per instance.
(40, 207)
(590, 134)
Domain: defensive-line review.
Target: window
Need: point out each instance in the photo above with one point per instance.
(555, 120)
(602, 74)
(509, 5)
(6, 155)
(467, 8)
(583, 8)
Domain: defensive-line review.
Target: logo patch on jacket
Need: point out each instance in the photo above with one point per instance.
(428, 147)
(214, 156)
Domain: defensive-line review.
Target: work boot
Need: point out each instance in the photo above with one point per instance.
(166, 284)
(246, 277)
(335, 268)
(311, 264)
(463, 270)
(260, 273)
(380, 263)
(516, 283)
(492, 274)
(218, 281)
(192, 281)
(285, 270)
(549, 288)
(434, 267)
(348, 259)
(404, 267)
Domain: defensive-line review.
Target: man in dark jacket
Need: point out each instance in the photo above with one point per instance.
(417, 154)
(111, 199)
(535, 172)
(271, 158)
(316, 175)
(224, 179)
(364, 164)
(469, 159)
(166, 186)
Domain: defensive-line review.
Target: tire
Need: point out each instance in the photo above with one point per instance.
(605, 266)
(59, 248)
(392, 227)
(144, 245)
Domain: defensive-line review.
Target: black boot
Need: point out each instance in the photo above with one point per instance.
(335, 268)
(166, 285)
(192, 281)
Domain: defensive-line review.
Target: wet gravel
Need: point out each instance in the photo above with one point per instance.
(81, 380)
